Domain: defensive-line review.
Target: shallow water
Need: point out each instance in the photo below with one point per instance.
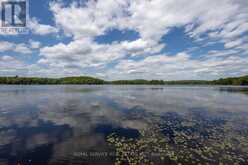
(62, 125)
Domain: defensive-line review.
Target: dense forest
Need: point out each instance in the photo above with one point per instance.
(50, 81)
(232, 81)
(95, 81)
(227, 81)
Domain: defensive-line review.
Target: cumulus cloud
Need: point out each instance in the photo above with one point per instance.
(41, 29)
(224, 21)
(5, 46)
(87, 53)
(89, 21)
(14, 47)
(180, 66)
(152, 19)
(34, 44)
(10, 65)
(22, 48)
(205, 22)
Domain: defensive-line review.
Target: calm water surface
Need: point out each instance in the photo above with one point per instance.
(67, 125)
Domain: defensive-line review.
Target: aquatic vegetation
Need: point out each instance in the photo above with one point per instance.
(107, 125)
(176, 139)
(148, 149)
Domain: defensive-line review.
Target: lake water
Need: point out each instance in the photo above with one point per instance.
(67, 125)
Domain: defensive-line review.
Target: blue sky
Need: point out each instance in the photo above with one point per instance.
(126, 39)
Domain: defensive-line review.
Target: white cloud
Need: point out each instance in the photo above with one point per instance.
(205, 21)
(88, 21)
(5, 46)
(152, 19)
(135, 45)
(79, 53)
(141, 47)
(223, 20)
(7, 58)
(17, 48)
(232, 44)
(41, 29)
(22, 48)
(223, 53)
(86, 53)
(34, 44)
(10, 65)
(178, 67)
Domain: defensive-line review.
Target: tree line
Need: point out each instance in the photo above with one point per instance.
(226, 81)
(95, 81)
(50, 81)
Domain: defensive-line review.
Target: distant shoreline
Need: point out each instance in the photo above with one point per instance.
(155, 86)
(85, 80)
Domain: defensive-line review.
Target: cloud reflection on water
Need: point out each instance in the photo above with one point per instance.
(65, 117)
